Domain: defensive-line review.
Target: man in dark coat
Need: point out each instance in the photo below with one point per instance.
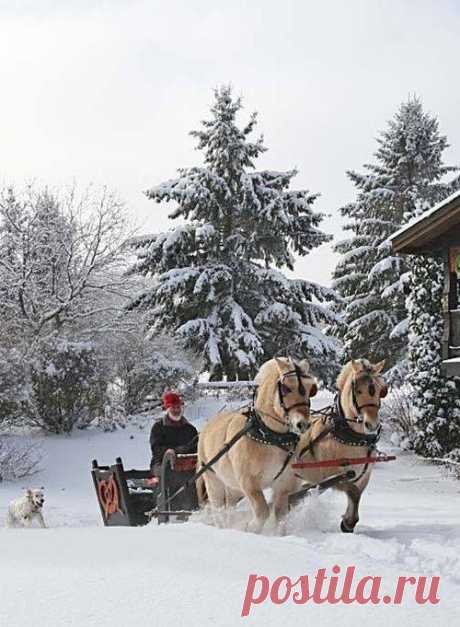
(172, 432)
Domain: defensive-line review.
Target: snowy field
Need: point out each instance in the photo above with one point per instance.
(78, 573)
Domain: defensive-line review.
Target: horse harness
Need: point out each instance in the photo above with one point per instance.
(257, 430)
(339, 429)
(260, 432)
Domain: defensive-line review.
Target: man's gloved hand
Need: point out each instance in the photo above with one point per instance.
(172, 452)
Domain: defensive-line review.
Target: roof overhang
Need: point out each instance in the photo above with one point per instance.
(451, 367)
(432, 230)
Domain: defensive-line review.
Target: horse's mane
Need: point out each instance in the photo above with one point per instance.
(348, 371)
(269, 371)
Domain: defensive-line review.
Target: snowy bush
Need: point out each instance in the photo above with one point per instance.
(66, 390)
(138, 365)
(13, 384)
(398, 412)
(17, 460)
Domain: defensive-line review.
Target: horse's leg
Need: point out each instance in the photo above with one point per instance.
(260, 509)
(351, 517)
(232, 497)
(216, 495)
(280, 505)
(280, 500)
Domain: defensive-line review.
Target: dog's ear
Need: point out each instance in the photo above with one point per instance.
(29, 492)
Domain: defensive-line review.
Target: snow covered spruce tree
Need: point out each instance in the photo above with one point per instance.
(437, 404)
(405, 180)
(217, 282)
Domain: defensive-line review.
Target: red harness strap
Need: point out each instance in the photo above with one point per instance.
(344, 461)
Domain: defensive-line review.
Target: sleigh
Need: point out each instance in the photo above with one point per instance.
(127, 497)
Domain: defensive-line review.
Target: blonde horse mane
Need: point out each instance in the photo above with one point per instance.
(269, 374)
(348, 371)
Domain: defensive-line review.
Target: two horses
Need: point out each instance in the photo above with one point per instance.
(281, 428)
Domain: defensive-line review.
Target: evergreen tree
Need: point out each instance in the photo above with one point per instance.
(405, 181)
(217, 281)
(436, 398)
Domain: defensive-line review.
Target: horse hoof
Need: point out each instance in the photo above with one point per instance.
(344, 528)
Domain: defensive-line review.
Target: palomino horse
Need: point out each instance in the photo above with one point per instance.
(351, 431)
(257, 461)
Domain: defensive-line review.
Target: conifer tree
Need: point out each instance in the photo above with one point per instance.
(217, 278)
(436, 398)
(405, 180)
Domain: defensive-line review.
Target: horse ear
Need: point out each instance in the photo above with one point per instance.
(304, 366)
(377, 368)
(280, 364)
(356, 365)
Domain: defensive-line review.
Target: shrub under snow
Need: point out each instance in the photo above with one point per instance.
(18, 460)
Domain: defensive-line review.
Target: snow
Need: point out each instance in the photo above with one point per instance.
(425, 215)
(78, 573)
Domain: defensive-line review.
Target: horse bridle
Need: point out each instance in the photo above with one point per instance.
(302, 391)
(359, 419)
(298, 373)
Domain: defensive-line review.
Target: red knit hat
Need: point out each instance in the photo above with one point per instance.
(170, 399)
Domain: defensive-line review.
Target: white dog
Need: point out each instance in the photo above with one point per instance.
(21, 512)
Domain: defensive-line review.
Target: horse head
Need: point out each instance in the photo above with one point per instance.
(361, 389)
(284, 391)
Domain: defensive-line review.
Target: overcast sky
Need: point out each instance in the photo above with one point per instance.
(107, 92)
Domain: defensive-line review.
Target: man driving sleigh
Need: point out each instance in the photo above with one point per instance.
(172, 433)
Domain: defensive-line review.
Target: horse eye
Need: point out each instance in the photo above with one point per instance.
(372, 389)
(285, 389)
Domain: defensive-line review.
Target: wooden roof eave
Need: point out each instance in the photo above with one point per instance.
(423, 236)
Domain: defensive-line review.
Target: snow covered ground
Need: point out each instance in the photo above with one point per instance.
(80, 573)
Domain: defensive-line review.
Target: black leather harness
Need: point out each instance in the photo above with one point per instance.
(259, 432)
(339, 429)
(342, 432)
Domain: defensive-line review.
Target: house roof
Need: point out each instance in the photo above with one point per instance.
(428, 230)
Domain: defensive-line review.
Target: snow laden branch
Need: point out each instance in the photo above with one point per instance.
(216, 280)
(62, 258)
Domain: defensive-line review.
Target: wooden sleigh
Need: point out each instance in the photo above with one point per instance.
(126, 497)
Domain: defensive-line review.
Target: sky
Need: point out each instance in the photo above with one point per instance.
(107, 92)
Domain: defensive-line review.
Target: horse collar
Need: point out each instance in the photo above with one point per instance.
(342, 432)
(260, 432)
